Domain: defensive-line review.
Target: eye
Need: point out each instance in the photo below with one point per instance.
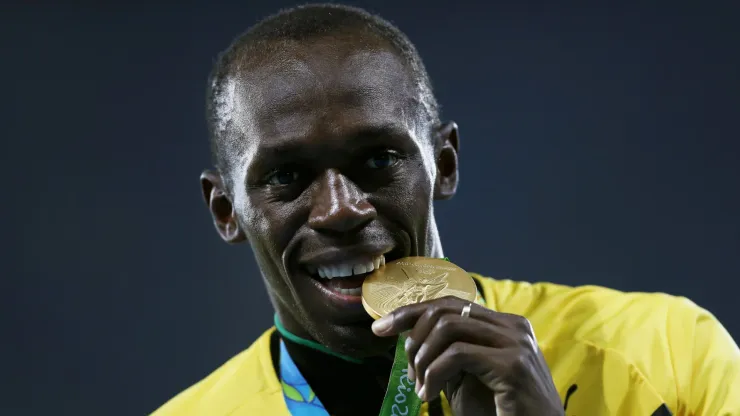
(282, 177)
(382, 160)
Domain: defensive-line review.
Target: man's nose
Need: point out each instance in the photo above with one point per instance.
(339, 205)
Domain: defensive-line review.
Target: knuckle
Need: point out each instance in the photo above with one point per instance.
(449, 299)
(520, 363)
(410, 344)
(431, 374)
(522, 323)
(420, 355)
(524, 340)
(445, 324)
(457, 350)
(435, 311)
(431, 311)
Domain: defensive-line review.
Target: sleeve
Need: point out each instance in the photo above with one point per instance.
(707, 367)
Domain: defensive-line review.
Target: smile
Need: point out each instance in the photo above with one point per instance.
(346, 277)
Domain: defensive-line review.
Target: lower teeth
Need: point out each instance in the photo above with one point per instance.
(352, 292)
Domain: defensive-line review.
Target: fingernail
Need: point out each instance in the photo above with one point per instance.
(411, 374)
(382, 325)
(422, 393)
(407, 344)
(418, 386)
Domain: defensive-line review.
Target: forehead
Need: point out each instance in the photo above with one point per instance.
(314, 93)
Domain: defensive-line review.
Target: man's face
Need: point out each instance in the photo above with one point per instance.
(333, 173)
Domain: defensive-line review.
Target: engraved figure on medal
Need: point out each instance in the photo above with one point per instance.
(413, 280)
(416, 289)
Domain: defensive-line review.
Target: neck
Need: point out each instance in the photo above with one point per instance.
(308, 343)
(344, 387)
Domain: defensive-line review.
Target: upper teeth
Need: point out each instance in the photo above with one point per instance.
(330, 271)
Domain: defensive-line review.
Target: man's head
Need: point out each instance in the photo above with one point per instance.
(329, 153)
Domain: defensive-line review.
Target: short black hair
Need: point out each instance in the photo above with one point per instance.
(302, 23)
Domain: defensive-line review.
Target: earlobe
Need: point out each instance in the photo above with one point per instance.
(447, 161)
(221, 208)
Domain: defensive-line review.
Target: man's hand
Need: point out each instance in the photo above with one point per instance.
(485, 361)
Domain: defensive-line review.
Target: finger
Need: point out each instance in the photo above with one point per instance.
(429, 313)
(421, 330)
(461, 357)
(449, 329)
(405, 317)
(434, 311)
(410, 368)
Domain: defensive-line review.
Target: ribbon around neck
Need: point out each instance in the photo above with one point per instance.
(400, 396)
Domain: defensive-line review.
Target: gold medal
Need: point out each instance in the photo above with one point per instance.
(413, 280)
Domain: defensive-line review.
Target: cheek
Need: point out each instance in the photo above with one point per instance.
(429, 161)
(256, 224)
(422, 200)
(419, 186)
(253, 220)
(411, 196)
(270, 223)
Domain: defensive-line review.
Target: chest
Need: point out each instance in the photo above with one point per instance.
(593, 381)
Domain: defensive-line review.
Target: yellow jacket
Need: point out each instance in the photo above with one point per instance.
(609, 352)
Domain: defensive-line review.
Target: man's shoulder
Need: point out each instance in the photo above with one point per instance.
(602, 316)
(638, 349)
(226, 390)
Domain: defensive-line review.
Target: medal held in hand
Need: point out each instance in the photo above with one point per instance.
(413, 280)
(405, 282)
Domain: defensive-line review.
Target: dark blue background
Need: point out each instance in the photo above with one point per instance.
(599, 146)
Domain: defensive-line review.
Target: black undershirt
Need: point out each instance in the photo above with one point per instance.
(343, 387)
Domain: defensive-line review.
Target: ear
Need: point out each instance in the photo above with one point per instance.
(222, 210)
(447, 169)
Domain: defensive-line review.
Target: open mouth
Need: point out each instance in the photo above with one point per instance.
(346, 277)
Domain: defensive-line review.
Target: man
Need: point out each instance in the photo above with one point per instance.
(329, 153)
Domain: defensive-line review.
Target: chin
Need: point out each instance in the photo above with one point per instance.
(358, 341)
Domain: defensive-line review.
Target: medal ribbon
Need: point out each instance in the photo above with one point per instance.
(400, 397)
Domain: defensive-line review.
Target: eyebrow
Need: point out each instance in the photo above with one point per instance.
(297, 151)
